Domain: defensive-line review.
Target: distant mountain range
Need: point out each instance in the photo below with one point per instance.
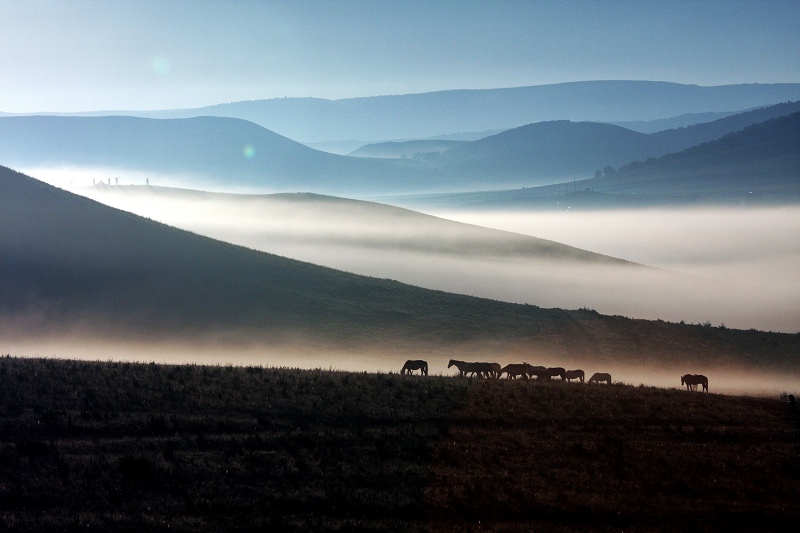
(758, 164)
(232, 153)
(419, 116)
(71, 266)
(212, 151)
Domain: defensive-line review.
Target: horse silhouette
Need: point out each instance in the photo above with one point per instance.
(692, 380)
(514, 370)
(574, 374)
(599, 377)
(556, 371)
(415, 364)
(539, 372)
(465, 368)
(486, 370)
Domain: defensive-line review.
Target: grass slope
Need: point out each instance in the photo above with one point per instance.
(69, 262)
(145, 447)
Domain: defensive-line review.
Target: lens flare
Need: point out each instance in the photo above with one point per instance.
(248, 151)
(160, 65)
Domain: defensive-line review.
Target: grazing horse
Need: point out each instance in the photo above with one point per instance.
(465, 368)
(692, 380)
(415, 364)
(574, 374)
(599, 377)
(485, 370)
(496, 370)
(556, 371)
(539, 372)
(514, 370)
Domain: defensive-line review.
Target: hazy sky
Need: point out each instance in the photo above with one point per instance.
(81, 55)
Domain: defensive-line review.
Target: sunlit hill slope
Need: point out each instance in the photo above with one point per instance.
(70, 265)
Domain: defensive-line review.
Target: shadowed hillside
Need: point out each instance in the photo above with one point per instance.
(69, 262)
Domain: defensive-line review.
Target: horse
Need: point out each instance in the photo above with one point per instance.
(415, 364)
(465, 368)
(574, 374)
(556, 371)
(487, 370)
(513, 370)
(693, 380)
(599, 377)
(539, 372)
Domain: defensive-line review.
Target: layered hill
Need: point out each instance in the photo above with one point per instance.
(71, 265)
(548, 151)
(418, 116)
(222, 152)
(760, 163)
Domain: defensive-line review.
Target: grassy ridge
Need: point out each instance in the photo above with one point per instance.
(125, 446)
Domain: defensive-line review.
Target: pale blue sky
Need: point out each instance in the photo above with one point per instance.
(62, 55)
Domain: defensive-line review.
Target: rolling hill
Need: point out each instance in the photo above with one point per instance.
(419, 116)
(73, 266)
(223, 153)
(547, 152)
(760, 163)
(220, 152)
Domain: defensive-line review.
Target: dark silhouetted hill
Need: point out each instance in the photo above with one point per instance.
(71, 265)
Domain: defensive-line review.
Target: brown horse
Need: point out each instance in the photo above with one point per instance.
(514, 370)
(600, 377)
(415, 364)
(693, 380)
(574, 374)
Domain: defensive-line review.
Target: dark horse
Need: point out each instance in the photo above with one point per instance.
(574, 374)
(415, 364)
(599, 377)
(465, 368)
(513, 370)
(693, 380)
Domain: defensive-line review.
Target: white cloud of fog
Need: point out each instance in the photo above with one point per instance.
(737, 266)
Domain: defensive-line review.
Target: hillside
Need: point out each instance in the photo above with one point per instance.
(757, 165)
(141, 447)
(395, 149)
(71, 265)
(418, 116)
(218, 152)
(326, 221)
(547, 152)
(222, 153)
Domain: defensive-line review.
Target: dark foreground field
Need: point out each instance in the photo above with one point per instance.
(131, 447)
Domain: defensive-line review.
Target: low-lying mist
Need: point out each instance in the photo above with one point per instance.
(734, 266)
(723, 380)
